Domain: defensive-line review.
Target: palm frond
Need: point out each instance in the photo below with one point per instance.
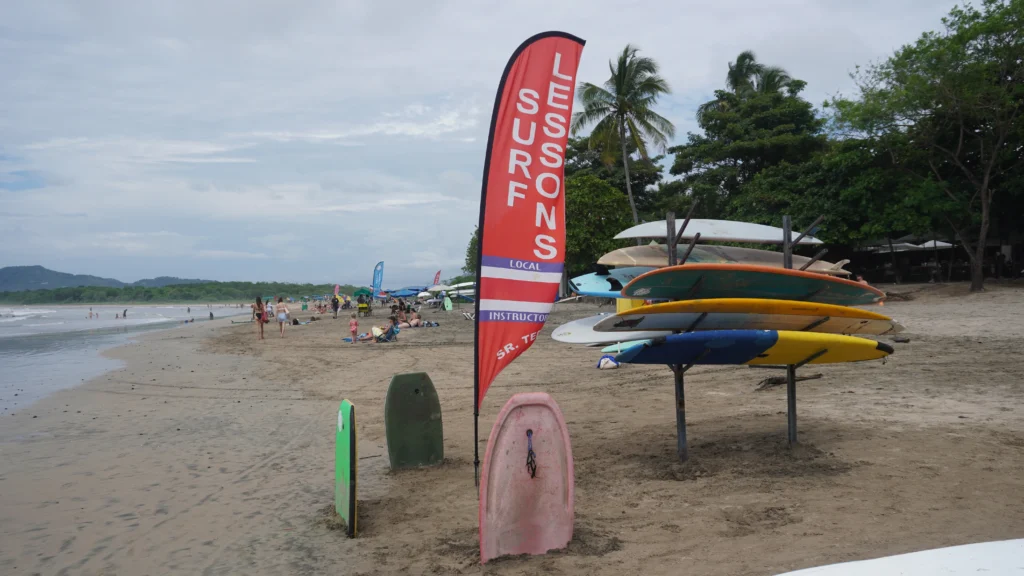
(742, 72)
(657, 128)
(772, 79)
(635, 134)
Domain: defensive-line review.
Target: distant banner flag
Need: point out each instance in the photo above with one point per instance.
(337, 289)
(437, 278)
(378, 277)
(522, 215)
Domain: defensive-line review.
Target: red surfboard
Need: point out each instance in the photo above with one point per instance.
(527, 488)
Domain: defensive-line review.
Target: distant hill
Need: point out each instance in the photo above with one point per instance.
(19, 278)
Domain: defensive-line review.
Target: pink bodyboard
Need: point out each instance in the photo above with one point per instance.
(522, 513)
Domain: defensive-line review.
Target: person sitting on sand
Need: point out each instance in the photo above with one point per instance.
(416, 320)
(402, 320)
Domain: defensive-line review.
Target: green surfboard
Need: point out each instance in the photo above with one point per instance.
(346, 458)
(412, 421)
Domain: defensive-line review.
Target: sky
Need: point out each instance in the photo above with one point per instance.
(305, 141)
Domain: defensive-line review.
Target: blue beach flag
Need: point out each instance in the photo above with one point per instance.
(378, 278)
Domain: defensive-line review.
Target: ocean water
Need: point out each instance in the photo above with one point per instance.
(48, 348)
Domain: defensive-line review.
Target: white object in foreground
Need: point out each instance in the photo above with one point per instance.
(989, 558)
(715, 231)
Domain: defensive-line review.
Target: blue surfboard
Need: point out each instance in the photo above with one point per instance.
(713, 347)
(778, 347)
(606, 285)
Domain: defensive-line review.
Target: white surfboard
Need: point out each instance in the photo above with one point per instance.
(1005, 558)
(582, 332)
(714, 231)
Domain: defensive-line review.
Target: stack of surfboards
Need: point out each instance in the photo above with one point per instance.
(621, 266)
(732, 305)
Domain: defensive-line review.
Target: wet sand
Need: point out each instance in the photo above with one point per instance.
(212, 453)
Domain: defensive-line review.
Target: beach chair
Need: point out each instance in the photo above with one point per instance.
(364, 310)
(390, 335)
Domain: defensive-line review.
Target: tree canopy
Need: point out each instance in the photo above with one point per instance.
(930, 145)
(947, 109)
(595, 211)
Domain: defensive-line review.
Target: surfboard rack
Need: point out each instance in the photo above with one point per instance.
(816, 323)
(815, 258)
(787, 259)
(673, 238)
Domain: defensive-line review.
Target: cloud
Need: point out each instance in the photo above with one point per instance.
(140, 150)
(324, 136)
(229, 255)
(408, 123)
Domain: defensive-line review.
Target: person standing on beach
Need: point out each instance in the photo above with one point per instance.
(282, 314)
(353, 327)
(334, 305)
(259, 311)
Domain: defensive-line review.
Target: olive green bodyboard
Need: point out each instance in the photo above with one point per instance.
(346, 459)
(412, 422)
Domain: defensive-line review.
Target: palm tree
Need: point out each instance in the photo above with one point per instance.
(742, 73)
(771, 79)
(620, 111)
(746, 76)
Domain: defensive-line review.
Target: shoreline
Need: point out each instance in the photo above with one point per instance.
(212, 452)
(41, 363)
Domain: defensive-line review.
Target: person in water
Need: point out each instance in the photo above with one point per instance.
(259, 311)
(282, 314)
(125, 313)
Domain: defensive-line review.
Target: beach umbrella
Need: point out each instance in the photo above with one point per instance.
(423, 295)
(438, 288)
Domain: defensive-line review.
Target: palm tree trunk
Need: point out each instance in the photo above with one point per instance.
(625, 166)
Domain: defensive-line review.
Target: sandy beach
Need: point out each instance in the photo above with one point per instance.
(212, 453)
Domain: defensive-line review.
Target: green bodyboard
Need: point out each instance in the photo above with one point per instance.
(346, 458)
(412, 422)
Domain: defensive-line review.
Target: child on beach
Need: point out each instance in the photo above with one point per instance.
(353, 327)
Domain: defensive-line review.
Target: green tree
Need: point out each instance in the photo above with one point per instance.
(472, 253)
(644, 173)
(594, 213)
(947, 108)
(747, 76)
(621, 111)
(858, 190)
(747, 134)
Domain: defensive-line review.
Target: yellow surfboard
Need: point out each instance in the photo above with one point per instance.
(750, 314)
(795, 347)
